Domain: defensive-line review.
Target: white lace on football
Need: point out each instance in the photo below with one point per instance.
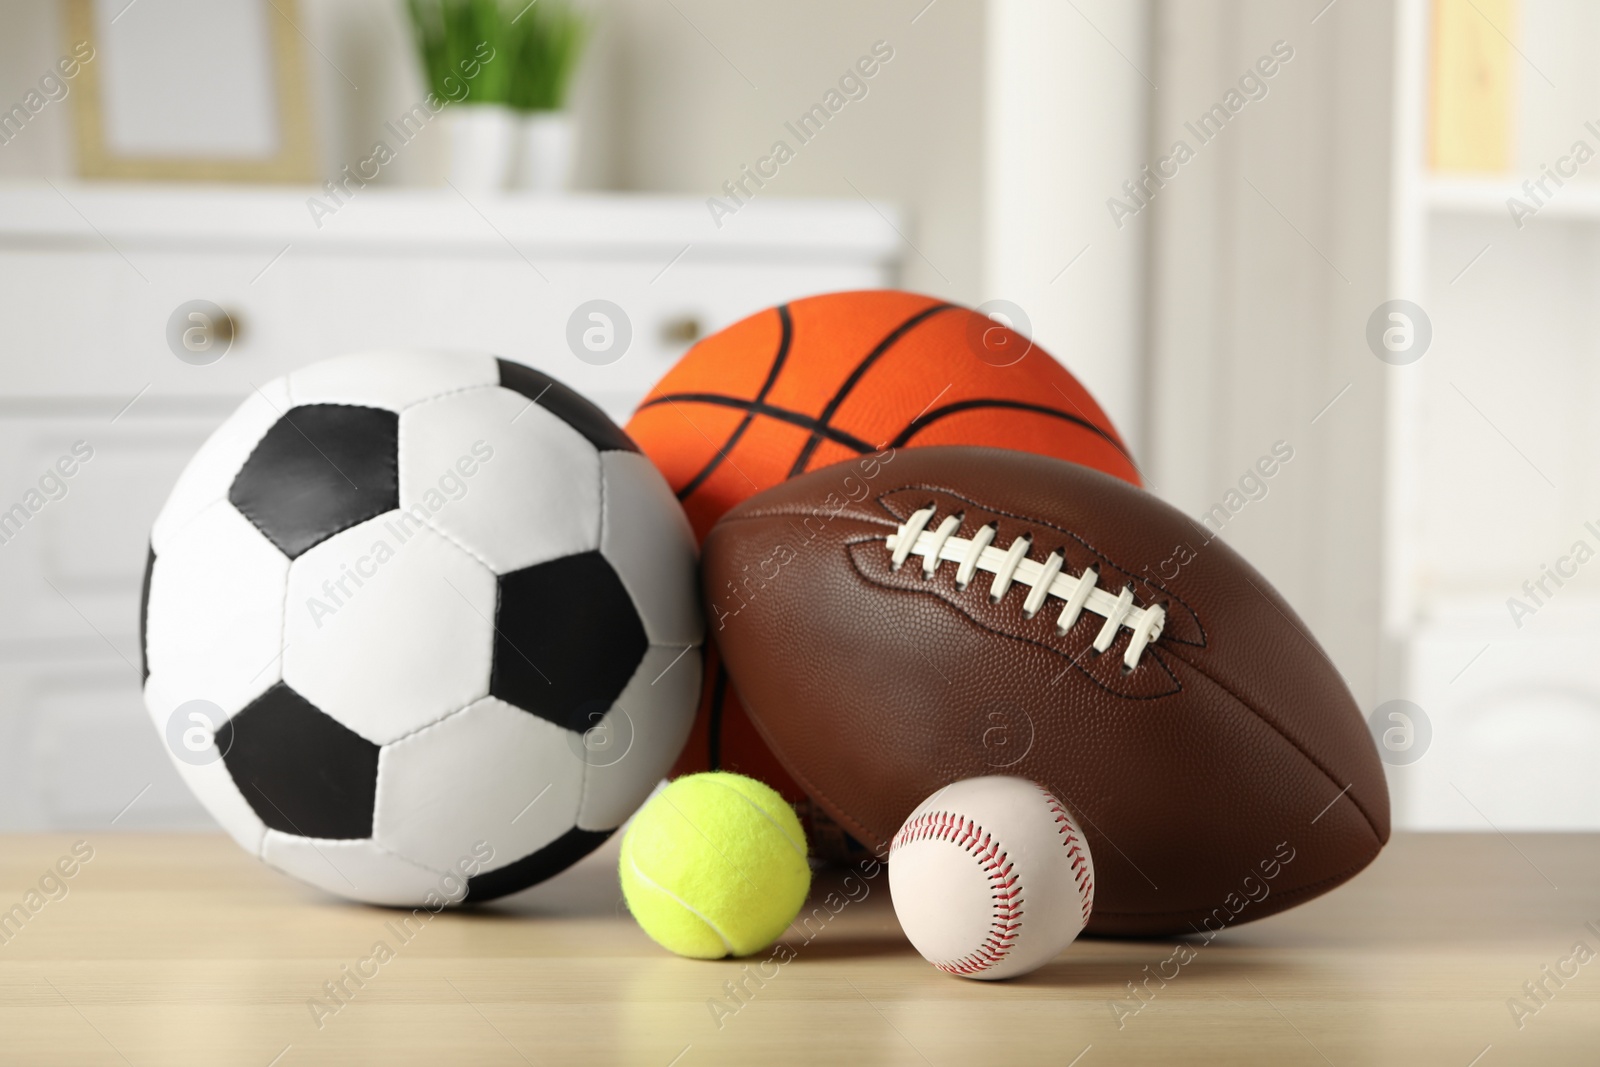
(1046, 579)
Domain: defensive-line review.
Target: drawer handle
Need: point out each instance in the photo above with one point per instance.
(681, 330)
(200, 332)
(206, 332)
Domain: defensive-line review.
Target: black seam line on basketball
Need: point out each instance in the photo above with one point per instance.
(1131, 577)
(786, 335)
(866, 364)
(1073, 661)
(794, 418)
(921, 422)
(719, 693)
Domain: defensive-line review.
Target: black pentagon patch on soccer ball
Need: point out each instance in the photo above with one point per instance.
(566, 405)
(320, 469)
(567, 639)
(301, 772)
(535, 867)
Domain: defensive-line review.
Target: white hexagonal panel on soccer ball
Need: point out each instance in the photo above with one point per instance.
(208, 777)
(489, 773)
(215, 617)
(206, 479)
(647, 540)
(215, 787)
(634, 744)
(502, 476)
(388, 627)
(360, 870)
(392, 380)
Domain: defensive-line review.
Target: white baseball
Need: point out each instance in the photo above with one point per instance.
(991, 877)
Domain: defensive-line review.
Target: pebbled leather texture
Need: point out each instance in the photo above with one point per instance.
(1230, 746)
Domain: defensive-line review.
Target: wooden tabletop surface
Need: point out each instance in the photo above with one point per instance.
(172, 950)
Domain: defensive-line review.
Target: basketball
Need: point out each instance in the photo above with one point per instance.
(828, 378)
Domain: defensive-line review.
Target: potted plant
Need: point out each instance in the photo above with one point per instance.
(505, 71)
(545, 42)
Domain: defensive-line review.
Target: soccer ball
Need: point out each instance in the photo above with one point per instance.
(421, 628)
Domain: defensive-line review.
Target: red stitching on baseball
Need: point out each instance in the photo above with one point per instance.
(1080, 861)
(981, 845)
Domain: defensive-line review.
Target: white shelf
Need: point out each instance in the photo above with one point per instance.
(1488, 196)
(590, 225)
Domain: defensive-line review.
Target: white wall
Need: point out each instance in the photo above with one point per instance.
(1065, 124)
(1269, 251)
(685, 119)
(32, 40)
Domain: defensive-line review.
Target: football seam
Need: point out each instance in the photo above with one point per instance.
(1307, 756)
(1172, 638)
(1073, 661)
(787, 511)
(970, 837)
(857, 829)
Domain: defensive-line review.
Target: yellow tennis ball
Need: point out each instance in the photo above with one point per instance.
(715, 865)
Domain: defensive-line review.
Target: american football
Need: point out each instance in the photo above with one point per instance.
(906, 620)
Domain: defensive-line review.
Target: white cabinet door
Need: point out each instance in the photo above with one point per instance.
(1513, 723)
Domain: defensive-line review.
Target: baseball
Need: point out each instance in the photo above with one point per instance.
(991, 877)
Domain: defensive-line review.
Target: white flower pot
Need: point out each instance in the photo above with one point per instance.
(482, 142)
(545, 150)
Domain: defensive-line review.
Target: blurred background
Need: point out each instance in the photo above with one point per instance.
(1359, 233)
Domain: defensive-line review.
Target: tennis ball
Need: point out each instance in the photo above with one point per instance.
(715, 865)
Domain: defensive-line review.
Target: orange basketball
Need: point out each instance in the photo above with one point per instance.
(832, 377)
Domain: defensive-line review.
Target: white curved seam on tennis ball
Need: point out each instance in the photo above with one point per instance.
(800, 849)
(684, 904)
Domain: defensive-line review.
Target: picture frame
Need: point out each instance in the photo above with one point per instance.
(192, 90)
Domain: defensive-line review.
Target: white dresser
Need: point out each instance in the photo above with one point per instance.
(91, 275)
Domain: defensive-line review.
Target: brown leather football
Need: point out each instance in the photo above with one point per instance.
(902, 621)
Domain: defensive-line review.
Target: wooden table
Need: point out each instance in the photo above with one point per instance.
(173, 950)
